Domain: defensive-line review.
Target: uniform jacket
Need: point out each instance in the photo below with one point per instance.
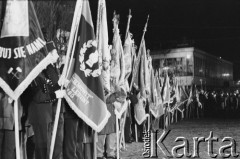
(43, 100)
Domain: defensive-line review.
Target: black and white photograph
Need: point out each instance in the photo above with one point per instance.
(119, 79)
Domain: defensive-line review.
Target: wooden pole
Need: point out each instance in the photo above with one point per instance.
(149, 121)
(122, 134)
(136, 134)
(128, 24)
(95, 145)
(135, 70)
(16, 129)
(139, 55)
(117, 129)
(66, 69)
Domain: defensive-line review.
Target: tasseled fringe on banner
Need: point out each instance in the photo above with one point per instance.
(49, 59)
(142, 120)
(95, 127)
(123, 109)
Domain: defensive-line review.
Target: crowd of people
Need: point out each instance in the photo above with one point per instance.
(223, 103)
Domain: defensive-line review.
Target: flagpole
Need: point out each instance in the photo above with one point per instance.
(95, 138)
(117, 129)
(134, 72)
(115, 27)
(128, 24)
(16, 129)
(122, 135)
(138, 57)
(66, 69)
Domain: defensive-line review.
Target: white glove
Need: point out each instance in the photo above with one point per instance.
(66, 83)
(10, 100)
(60, 81)
(63, 81)
(60, 93)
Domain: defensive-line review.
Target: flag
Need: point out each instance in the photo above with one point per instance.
(183, 97)
(117, 65)
(190, 96)
(182, 93)
(157, 109)
(135, 71)
(23, 51)
(129, 52)
(139, 81)
(139, 111)
(148, 74)
(84, 92)
(166, 90)
(128, 56)
(143, 70)
(102, 44)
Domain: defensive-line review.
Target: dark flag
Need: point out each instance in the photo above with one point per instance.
(85, 93)
(23, 51)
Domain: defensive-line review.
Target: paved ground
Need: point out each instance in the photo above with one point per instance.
(193, 128)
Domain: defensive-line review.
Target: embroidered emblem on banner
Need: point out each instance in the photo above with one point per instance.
(93, 58)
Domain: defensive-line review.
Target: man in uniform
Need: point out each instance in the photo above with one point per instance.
(41, 113)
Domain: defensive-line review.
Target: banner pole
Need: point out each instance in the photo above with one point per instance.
(122, 134)
(128, 23)
(95, 145)
(16, 129)
(66, 69)
(100, 63)
(117, 132)
(139, 56)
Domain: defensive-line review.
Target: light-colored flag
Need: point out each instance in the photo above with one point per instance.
(18, 21)
(140, 113)
(102, 44)
(157, 109)
(128, 55)
(143, 70)
(166, 90)
(117, 66)
(117, 58)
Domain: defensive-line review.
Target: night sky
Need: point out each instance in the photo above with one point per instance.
(210, 25)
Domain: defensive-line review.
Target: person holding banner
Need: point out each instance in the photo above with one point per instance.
(41, 111)
(7, 138)
(108, 135)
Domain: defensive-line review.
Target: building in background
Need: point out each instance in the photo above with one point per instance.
(190, 65)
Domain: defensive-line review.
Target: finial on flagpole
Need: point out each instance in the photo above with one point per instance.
(128, 23)
(145, 28)
(129, 15)
(115, 20)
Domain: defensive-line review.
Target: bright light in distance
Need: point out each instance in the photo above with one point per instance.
(188, 56)
(225, 74)
(166, 68)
